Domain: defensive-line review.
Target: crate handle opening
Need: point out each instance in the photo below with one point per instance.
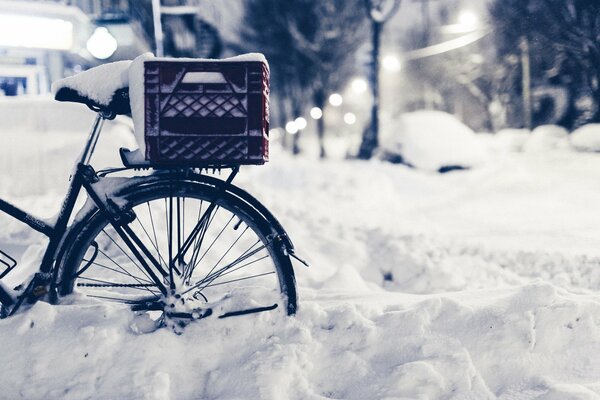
(204, 77)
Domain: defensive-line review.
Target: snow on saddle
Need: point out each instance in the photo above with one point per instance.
(102, 88)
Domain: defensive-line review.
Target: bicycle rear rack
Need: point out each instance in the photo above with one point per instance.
(6, 261)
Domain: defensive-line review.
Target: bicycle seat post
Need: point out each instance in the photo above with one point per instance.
(90, 145)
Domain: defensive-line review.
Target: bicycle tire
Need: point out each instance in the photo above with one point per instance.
(148, 194)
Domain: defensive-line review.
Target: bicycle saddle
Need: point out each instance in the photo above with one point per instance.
(119, 103)
(102, 88)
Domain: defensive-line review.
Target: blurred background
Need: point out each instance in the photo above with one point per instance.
(346, 75)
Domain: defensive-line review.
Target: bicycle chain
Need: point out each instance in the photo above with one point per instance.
(116, 285)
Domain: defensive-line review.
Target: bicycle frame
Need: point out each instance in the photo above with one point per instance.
(56, 232)
(83, 177)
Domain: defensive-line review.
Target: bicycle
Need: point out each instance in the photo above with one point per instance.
(170, 240)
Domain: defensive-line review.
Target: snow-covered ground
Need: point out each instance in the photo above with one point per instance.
(476, 284)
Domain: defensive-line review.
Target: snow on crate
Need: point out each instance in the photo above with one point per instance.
(432, 141)
(586, 138)
(201, 112)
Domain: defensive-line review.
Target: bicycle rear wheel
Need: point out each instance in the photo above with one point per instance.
(234, 264)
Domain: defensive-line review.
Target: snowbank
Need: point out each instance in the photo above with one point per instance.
(546, 138)
(511, 140)
(586, 138)
(432, 140)
(531, 341)
(478, 285)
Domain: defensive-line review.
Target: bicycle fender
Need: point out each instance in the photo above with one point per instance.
(119, 186)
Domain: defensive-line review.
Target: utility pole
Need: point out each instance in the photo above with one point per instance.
(379, 12)
(158, 32)
(526, 82)
(426, 26)
(426, 22)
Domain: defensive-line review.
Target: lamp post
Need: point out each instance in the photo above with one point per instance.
(158, 32)
(379, 12)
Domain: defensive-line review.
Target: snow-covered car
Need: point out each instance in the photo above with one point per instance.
(546, 138)
(431, 141)
(586, 138)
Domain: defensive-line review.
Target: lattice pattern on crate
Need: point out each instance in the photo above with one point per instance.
(204, 105)
(203, 148)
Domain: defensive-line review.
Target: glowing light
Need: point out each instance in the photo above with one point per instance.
(316, 113)
(391, 63)
(102, 44)
(359, 85)
(336, 99)
(291, 128)
(300, 123)
(349, 118)
(468, 20)
(35, 32)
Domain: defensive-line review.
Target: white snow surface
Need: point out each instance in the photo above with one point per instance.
(478, 284)
(430, 140)
(586, 138)
(98, 83)
(507, 140)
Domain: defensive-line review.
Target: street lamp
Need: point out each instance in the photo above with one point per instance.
(349, 118)
(359, 85)
(316, 113)
(102, 44)
(291, 128)
(336, 99)
(468, 20)
(391, 63)
(300, 123)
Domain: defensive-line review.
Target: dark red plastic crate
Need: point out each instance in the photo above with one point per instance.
(203, 113)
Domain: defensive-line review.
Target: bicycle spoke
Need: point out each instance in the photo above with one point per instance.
(227, 252)
(115, 299)
(154, 243)
(211, 245)
(118, 265)
(240, 259)
(225, 271)
(170, 244)
(206, 216)
(192, 259)
(241, 279)
(115, 270)
(125, 253)
(242, 266)
(179, 230)
(103, 283)
(229, 249)
(200, 238)
(137, 278)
